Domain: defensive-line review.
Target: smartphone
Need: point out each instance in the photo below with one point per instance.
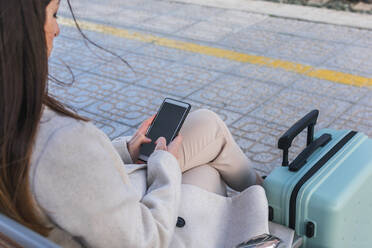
(167, 123)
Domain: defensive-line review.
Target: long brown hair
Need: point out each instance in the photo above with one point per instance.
(23, 92)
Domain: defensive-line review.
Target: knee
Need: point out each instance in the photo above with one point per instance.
(204, 122)
(207, 116)
(205, 177)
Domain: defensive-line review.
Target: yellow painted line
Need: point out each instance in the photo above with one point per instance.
(307, 70)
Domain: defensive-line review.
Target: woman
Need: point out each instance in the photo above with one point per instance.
(63, 177)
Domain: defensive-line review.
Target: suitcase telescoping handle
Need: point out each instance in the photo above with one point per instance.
(285, 142)
(308, 121)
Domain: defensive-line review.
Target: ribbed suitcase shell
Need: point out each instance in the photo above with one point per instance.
(337, 199)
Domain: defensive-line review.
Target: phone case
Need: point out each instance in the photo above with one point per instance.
(143, 157)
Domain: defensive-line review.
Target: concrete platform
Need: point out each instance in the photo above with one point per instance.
(259, 73)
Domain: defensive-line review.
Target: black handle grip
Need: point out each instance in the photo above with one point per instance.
(285, 141)
(310, 149)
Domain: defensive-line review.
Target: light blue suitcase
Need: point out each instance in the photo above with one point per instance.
(325, 194)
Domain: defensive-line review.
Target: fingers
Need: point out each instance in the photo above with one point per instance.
(140, 139)
(175, 146)
(145, 139)
(135, 143)
(145, 125)
(161, 144)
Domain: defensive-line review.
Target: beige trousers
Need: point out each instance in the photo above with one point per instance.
(210, 153)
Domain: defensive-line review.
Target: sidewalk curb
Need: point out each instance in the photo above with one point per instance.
(298, 12)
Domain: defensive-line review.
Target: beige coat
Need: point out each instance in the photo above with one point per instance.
(87, 189)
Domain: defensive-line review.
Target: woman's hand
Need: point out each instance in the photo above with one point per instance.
(139, 138)
(174, 147)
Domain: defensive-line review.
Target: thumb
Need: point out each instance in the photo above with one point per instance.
(161, 144)
(146, 140)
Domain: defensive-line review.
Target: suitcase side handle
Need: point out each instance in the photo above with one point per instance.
(301, 159)
(308, 121)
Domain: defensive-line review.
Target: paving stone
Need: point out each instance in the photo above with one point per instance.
(129, 17)
(130, 106)
(141, 65)
(84, 59)
(205, 31)
(367, 99)
(70, 96)
(252, 128)
(161, 52)
(63, 73)
(227, 116)
(86, 90)
(133, 4)
(63, 44)
(237, 19)
(291, 105)
(78, 61)
(178, 79)
(355, 59)
(329, 89)
(108, 6)
(258, 103)
(360, 114)
(307, 51)
(210, 62)
(358, 118)
(92, 11)
(196, 12)
(256, 41)
(281, 25)
(365, 39)
(159, 7)
(327, 32)
(110, 48)
(169, 85)
(347, 124)
(165, 24)
(130, 132)
(236, 94)
(259, 138)
(100, 85)
(223, 26)
(263, 161)
(68, 32)
(266, 74)
(348, 71)
(116, 44)
(264, 132)
(75, 54)
(110, 128)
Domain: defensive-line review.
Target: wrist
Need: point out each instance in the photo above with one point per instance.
(129, 150)
(259, 179)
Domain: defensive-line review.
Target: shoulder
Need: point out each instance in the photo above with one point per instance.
(53, 123)
(65, 141)
(71, 152)
(57, 129)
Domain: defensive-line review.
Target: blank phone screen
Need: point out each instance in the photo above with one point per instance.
(165, 125)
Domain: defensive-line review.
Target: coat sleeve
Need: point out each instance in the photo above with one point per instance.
(79, 185)
(121, 147)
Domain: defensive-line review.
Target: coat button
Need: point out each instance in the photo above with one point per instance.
(180, 222)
